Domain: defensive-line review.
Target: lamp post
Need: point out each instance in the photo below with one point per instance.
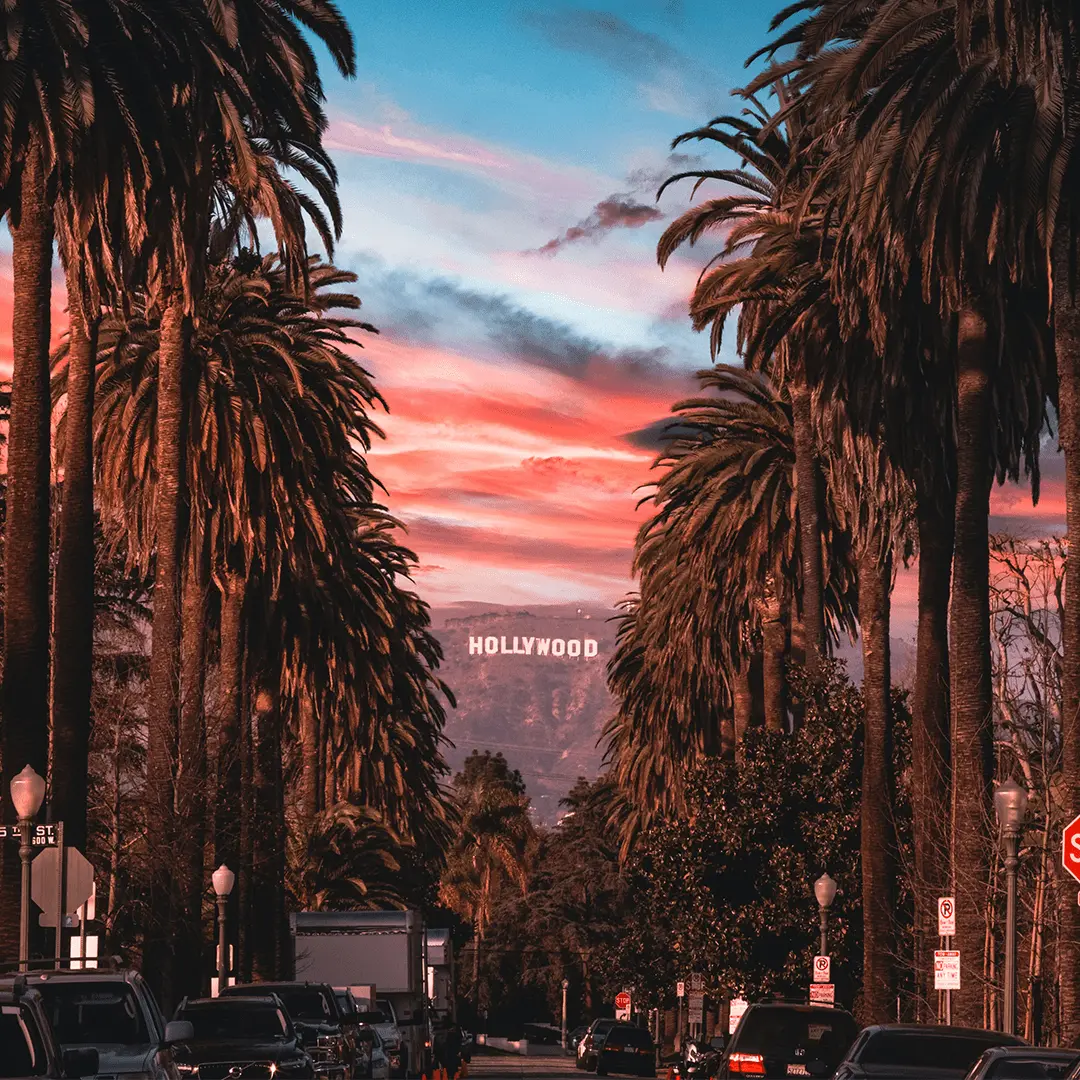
(565, 987)
(825, 891)
(223, 879)
(1010, 804)
(27, 793)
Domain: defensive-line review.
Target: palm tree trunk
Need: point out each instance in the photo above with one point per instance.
(1067, 343)
(807, 484)
(191, 776)
(246, 857)
(24, 695)
(73, 626)
(930, 726)
(227, 808)
(875, 581)
(969, 662)
(774, 644)
(743, 699)
(267, 751)
(163, 725)
(309, 745)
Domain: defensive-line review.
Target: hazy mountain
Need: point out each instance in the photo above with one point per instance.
(544, 711)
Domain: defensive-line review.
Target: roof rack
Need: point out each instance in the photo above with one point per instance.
(65, 964)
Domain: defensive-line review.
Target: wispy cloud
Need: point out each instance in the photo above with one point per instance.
(616, 212)
(669, 80)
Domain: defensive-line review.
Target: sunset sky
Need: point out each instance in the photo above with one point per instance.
(499, 162)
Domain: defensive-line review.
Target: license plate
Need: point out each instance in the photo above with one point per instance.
(797, 1070)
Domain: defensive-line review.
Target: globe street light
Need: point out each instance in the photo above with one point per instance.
(27, 793)
(1010, 804)
(825, 891)
(223, 879)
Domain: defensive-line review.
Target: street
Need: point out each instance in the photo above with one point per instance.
(514, 1067)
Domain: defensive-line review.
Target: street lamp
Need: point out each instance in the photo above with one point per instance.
(825, 891)
(1010, 804)
(223, 879)
(565, 987)
(27, 793)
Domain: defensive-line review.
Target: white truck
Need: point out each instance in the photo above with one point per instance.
(379, 955)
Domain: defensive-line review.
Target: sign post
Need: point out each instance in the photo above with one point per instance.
(946, 923)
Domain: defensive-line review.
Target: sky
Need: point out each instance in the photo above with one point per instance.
(498, 168)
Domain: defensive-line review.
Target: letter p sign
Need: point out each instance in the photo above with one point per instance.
(1070, 847)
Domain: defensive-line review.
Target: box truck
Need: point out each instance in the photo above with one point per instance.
(376, 954)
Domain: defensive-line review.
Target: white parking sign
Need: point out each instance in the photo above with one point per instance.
(946, 969)
(946, 916)
(822, 969)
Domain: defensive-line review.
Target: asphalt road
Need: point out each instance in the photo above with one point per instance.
(512, 1067)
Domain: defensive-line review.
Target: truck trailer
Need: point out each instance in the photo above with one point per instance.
(376, 954)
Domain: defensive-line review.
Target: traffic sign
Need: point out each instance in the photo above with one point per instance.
(946, 916)
(697, 982)
(40, 835)
(822, 994)
(822, 969)
(78, 880)
(946, 969)
(735, 1014)
(622, 1005)
(695, 1009)
(680, 989)
(1070, 847)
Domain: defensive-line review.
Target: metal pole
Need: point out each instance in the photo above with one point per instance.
(61, 864)
(25, 851)
(824, 929)
(223, 948)
(1012, 845)
(565, 985)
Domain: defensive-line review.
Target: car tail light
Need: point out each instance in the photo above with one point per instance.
(747, 1064)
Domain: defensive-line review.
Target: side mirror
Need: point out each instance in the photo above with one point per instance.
(178, 1031)
(80, 1063)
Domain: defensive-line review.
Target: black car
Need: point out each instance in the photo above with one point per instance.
(28, 1047)
(780, 1039)
(252, 1034)
(626, 1049)
(314, 1011)
(574, 1038)
(1023, 1063)
(910, 1051)
(590, 1042)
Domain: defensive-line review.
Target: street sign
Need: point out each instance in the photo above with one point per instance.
(735, 1013)
(78, 880)
(946, 916)
(697, 982)
(1070, 847)
(40, 836)
(822, 969)
(680, 989)
(946, 969)
(622, 1005)
(695, 1010)
(822, 994)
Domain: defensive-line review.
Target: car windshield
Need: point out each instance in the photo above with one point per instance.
(372, 1016)
(810, 1034)
(1019, 1069)
(88, 1014)
(306, 1003)
(346, 1003)
(21, 1052)
(602, 1026)
(243, 1022)
(925, 1049)
(629, 1036)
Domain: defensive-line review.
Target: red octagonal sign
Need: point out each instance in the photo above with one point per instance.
(622, 1000)
(1070, 847)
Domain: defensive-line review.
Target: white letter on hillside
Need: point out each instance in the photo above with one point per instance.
(518, 650)
(528, 645)
(491, 645)
(573, 647)
(591, 647)
(476, 646)
(558, 647)
(542, 646)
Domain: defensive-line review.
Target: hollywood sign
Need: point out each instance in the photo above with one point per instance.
(534, 646)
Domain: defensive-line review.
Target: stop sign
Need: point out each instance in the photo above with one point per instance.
(622, 1000)
(1070, 847)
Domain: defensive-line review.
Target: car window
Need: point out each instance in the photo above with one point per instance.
(1019, 1069)
(95, 1014)
(386, 1009)
(244, 1022)
(629, 1036)
(372, 1016)
(157, 1017)
(924, 1049)
(306, 1003)
(21, 1052)
(819, 1034)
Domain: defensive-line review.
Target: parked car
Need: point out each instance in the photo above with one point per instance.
(245, 1033)
(28, 1047)
(910, 1051)
(587, 1048)
(381, 1018)
(314, 1012)
(625, 1048)
(1023, 1063)
(574, 1038)
(372, 1061)
(113, 1012)
(777, 1039)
